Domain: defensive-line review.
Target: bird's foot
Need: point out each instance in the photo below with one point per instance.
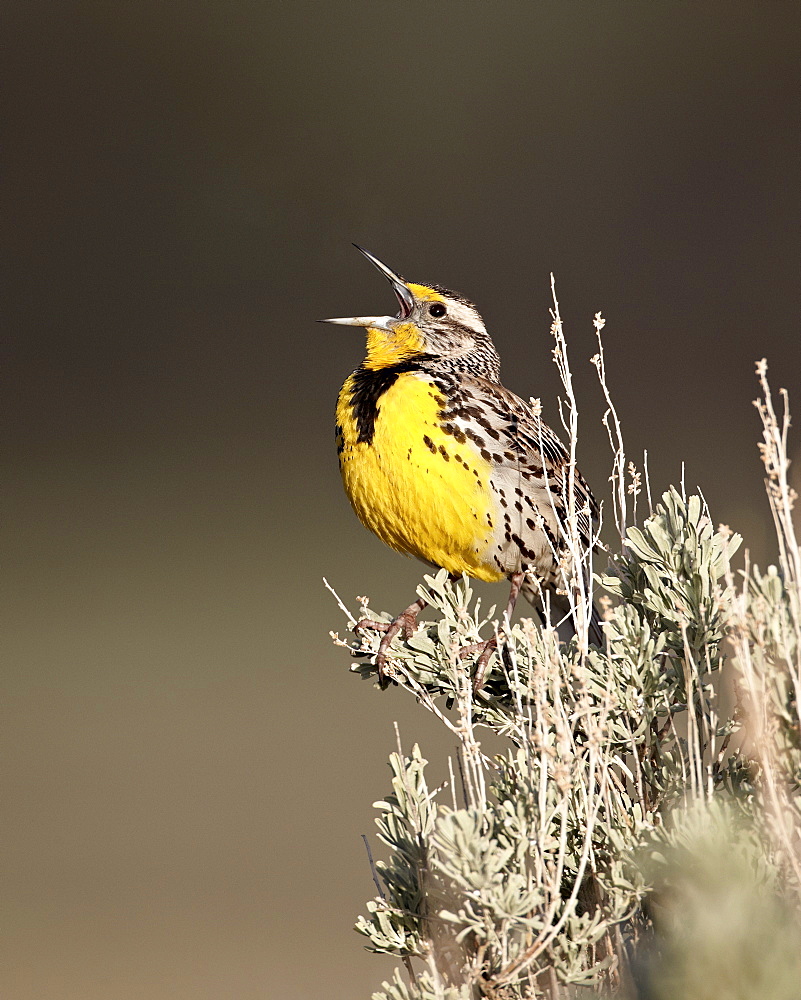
(406, 622)
(485, 650)
(370, 625)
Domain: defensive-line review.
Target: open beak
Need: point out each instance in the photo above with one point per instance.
(399, 287)
(376, 322)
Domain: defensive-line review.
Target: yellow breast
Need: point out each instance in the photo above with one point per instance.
(419, 489)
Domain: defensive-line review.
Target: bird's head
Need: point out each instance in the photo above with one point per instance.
(433, 323)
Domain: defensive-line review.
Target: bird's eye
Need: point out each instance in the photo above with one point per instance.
(437, 309)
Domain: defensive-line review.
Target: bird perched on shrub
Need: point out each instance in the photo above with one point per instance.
(444, 463)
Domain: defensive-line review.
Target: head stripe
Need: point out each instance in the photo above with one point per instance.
(425, 293)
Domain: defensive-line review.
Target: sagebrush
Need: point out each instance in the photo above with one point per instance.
(641, 833)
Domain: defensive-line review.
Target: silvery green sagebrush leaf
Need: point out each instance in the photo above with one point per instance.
(422, 644)
(642, 547)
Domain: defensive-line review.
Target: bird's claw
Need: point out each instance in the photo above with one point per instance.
(406, 622)
(485, 649)
(370, 623)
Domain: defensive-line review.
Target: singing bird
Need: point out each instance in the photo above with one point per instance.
(444, 463)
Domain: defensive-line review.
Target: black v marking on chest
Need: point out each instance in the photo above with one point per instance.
(367, 388)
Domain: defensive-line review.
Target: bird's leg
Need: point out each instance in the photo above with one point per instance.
(481, 666)
(406, 620)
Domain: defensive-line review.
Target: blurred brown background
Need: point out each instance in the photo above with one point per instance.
(189, 764)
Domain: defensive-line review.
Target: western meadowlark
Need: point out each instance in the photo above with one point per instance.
(444, 463)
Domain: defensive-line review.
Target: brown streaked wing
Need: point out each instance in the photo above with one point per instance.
(518, 438)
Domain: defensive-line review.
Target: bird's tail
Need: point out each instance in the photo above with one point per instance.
(596, 632)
